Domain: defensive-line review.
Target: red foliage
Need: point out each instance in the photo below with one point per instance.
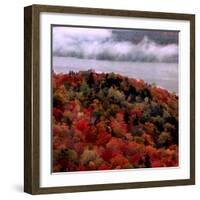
(149, 128)
(156, 163)
(137, 112)
(79, 147)
(119, 161)
(90, 134)
(104, 167)
(107, 155)
(136, 158)
(82, 125)
(81, 168)
(134, 127)
(57, 113)
(116, 145)
(103, 138)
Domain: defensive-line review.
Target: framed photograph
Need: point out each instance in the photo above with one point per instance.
(109, 99)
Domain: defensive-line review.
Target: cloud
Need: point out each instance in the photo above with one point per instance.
(91, 43)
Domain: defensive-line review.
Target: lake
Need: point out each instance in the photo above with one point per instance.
(162, 74)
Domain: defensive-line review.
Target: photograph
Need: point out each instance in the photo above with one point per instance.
(109, 99)
(114, 98)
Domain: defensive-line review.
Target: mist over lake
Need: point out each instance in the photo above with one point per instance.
(149, 55)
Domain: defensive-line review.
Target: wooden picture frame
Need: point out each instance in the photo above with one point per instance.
(32, 92)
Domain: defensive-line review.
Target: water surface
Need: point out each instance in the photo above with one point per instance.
(162, 74)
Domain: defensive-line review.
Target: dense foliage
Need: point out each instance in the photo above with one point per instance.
(105, 121)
